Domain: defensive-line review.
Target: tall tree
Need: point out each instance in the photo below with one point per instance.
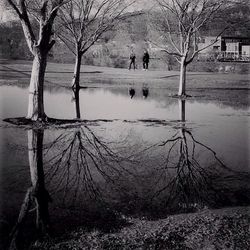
(39, 43)
(83, 22)
(179, 26)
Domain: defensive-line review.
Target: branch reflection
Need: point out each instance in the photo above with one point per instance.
(79, 162)
(78, 167)
(76, 100)
(86, 170)
(192, 176)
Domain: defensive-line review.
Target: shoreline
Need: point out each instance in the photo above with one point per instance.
(226, 228)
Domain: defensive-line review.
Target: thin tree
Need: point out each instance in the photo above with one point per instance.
(180, 23)
(83, 22)
(39, 42)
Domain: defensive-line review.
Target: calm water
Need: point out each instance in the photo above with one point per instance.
(154, 156)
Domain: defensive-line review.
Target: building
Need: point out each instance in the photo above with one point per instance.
(225, 48)
(205, 42)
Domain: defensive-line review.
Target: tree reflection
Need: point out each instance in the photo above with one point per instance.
(129, 176)
(76, 165)
(36, 195)
(194, 176)
(76, 100)
(79, 160)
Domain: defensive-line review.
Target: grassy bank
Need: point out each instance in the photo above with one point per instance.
(227, 228)
(18, 73)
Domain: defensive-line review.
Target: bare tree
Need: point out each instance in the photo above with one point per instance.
(83, 22)
(180, 23)
(39, 43)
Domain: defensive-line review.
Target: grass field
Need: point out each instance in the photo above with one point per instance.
(18, 73)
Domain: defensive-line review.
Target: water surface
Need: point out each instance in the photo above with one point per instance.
(150, 156)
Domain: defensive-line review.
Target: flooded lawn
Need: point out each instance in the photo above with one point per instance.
(141, 153)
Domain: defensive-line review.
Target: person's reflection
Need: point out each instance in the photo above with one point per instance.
(131, 92)
(36, 195)
(145, 92)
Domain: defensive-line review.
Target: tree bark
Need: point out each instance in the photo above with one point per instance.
(76, 82)
(182, 84)
(77, 70)
(36, 100)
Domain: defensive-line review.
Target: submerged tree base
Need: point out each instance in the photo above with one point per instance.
(50, 122)
(181, 96)
(23, 121)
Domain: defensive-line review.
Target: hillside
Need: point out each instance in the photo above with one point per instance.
(114, 48)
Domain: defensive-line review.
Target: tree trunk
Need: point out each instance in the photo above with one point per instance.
(77, 70)
(76, 82)
(36, 103)
(182, 84)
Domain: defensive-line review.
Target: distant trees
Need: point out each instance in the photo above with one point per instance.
(82, 23)
(179, 26)
(39, 43)
(235, 16)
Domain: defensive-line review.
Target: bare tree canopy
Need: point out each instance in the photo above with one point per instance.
(86, 20)
(83, 22)
(179, 25)
(44, 12)
(39, 43)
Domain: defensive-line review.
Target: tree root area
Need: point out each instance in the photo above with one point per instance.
(50, 122)
(182, 97)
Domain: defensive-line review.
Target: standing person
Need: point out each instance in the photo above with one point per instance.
(145, 60)
(131, 92)
(132, 60)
